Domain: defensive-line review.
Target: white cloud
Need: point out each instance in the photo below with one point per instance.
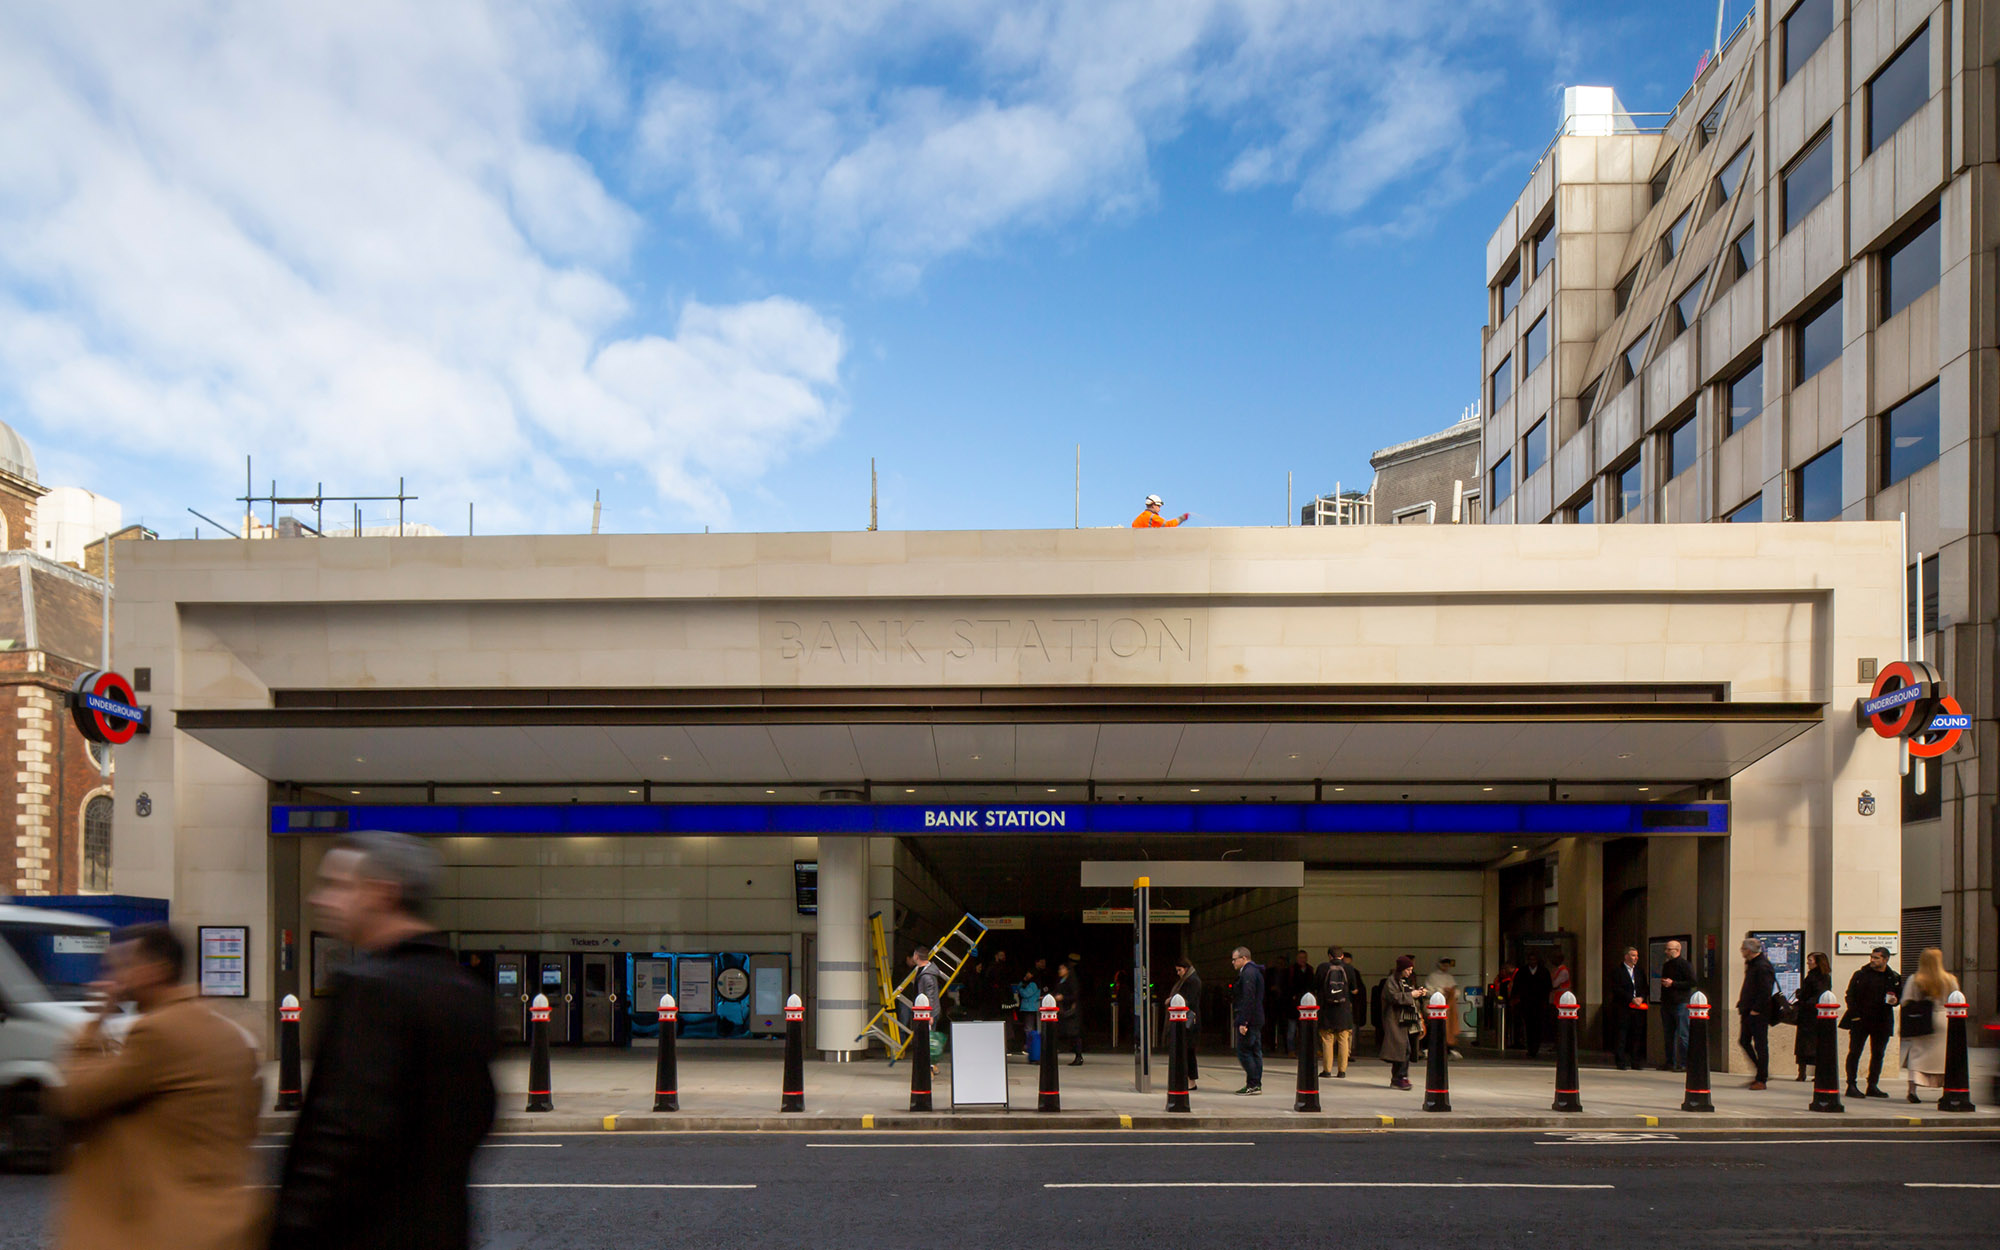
(909, 131)
(337, 236)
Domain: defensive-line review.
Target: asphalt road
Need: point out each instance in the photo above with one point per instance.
(1826, 1188)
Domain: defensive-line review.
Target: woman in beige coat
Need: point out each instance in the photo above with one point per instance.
(1923, 1055)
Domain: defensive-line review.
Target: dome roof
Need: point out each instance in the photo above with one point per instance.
(15, 457)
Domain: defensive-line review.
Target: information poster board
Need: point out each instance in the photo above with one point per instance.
(225, 961)
(329, 956)
(1786, 949)
(697, 982)
(1656, 958)
(978, 1063)
(1849, 943)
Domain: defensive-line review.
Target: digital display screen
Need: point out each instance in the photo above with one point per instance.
(805, 884)
(507, 975)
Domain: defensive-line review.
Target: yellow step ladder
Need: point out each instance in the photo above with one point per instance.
(951, 953)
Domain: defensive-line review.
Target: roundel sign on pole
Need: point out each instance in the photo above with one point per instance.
(1902, 698)
(1943, 731)
(104, 707)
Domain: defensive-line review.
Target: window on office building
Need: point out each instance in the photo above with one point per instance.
(1503, 480)
(1583, 511)
(1711, 121)
(1926, 806)
(1808, 180)
(1817, 343)
(1921, 591)
(1751, 509)
(1510, 291)
(1743, 252)
(1503, 384)
(1535, 346)
(1731, 176)
(1621, 294)
(1472, 506)
(1588, 399)
(1806, 28)
(1545, 246)
(1661, 179)
(1683, 448)
(1816, 487)
(1746, 396)
(1670, 242)
(1626, 486)
(1910, 265)
(1910, 435)
(1688, 306)
(1899, 89)
(1535, 448)
(1635, 355)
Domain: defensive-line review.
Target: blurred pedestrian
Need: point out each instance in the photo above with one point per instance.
(1397, 1022)
(1872, 994)
(401, 1093)
(1027, 1007)
(162, 1120)
(1187, 983)
(1817, 980)
(1299, 980)
(1445, 981)
(1357, 989)
(1249, 1017)
(1924, 1021)
(1069, 1011)
(1531, 1001)
(1676, 988)
(1753, 1010)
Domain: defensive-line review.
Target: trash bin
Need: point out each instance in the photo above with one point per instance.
(1034, 1045)
(937, 1045)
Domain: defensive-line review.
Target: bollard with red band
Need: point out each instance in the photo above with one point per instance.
(1308, 1097)
(1697, 1096)
(1957, 1095)
(920, 1066)
(1437, 1074)
(289, 1084)
(1177, 1077)
(1826, 1072)
(1569, 1095)
(1051, 1099)
(540, 1097)
(666, 1080)
(795, 1056)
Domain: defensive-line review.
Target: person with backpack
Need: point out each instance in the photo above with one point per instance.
(1336, 991)
(1755, 1009)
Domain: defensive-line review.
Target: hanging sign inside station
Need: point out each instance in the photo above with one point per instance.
(105, 709)
(1123, 915)
(1908, 701)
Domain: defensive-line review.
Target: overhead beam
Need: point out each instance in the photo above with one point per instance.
(1224, 874)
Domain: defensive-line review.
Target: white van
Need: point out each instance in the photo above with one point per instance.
(47, 961)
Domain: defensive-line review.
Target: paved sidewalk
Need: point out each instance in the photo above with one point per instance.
(600, 1090)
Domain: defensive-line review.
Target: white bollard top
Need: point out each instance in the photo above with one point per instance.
(1048, 1002)
(1954, 999)
(1437, 998)
(1177, 1003)
(290, 1002)
(1697, 999)
(795, 1003)
(667, 1002)
(1567, 1000)
(1828, 1000)
(541, 1002)
(1307, 1000)
(924, 1001)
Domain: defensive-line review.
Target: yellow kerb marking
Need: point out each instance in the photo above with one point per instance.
(1124, 1121)
(610, 1123)
(1388, 1121)
(867, 1121)
(1651, 1121)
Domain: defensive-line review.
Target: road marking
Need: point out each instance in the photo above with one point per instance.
(485, 1145)
(1311, 1185)
(1007, 1145)
(1641, 1139)
(597, 1185)
(1945, 1185)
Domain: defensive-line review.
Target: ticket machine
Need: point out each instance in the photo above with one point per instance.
(599, 1013)
(552, 977)
(510, 996)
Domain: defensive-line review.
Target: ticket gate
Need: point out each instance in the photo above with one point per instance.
(599, 1015)
(553, 979)
(510, 996)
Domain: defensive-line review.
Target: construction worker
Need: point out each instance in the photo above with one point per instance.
(1151, 518)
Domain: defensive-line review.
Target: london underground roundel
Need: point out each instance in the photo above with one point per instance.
(104, 708)
(1903, 690)
(1943, 732)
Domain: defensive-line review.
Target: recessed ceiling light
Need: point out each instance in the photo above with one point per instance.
(1643, 789)
(666, 759)
(354, 791)
(1338, 789)
(359, 760)
(1052, 789)
(770, 791)
(975, 757)
(496, 792)
(1291, 757)
(631, 792)
(1194, 789)
(1624, 755)
(1487, 789)
(909, 791)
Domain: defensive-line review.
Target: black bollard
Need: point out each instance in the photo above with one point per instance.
(1697, 1097)
(1568, 1086)
(1826, 1073)
(1051, 1099)
(1177, 1077)
(1308, 1099)
(289, 1083)
(666, 1081)
(539, 1096)
(1437, 1075)
(920, 1067)
(1957, 1095)
(795, 1056)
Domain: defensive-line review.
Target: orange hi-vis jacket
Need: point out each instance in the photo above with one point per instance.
(1153, 520)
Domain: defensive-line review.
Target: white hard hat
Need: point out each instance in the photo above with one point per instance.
(1153, 499)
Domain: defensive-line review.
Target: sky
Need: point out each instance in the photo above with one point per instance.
(704, 259)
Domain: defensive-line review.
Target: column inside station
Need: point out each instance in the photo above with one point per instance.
(844, 997)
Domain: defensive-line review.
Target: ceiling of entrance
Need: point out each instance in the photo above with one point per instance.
(1493, 742)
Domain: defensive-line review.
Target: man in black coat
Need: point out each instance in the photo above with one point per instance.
(401, 1092)
(1753, 1009)
(1357, 988)
(1872, 994)
(1336, 988)
(1069, 1011)
(1249, 1019)
(1530, 998)
(1676, 987)
(1625, 1011)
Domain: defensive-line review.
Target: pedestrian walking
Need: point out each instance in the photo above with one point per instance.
(1817, 980)
(1149, 517)
(1753, 1010)
(1676, 987)
(1249, 1017)
(1027, 1008)
(1444, 981)
(1187, 983)
(1532, 987)
(1625, 1011)
(1399, 1020)
(1357, 990)
(1872, 994)
(1337, 993)
(1069, 1011)
(1298, 983)
(401, 1093)
(1924, 1022)
(162, 1119)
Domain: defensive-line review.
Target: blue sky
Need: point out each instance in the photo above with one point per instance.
(709, 256)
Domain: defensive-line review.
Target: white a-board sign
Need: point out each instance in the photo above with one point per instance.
(978, 1063)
